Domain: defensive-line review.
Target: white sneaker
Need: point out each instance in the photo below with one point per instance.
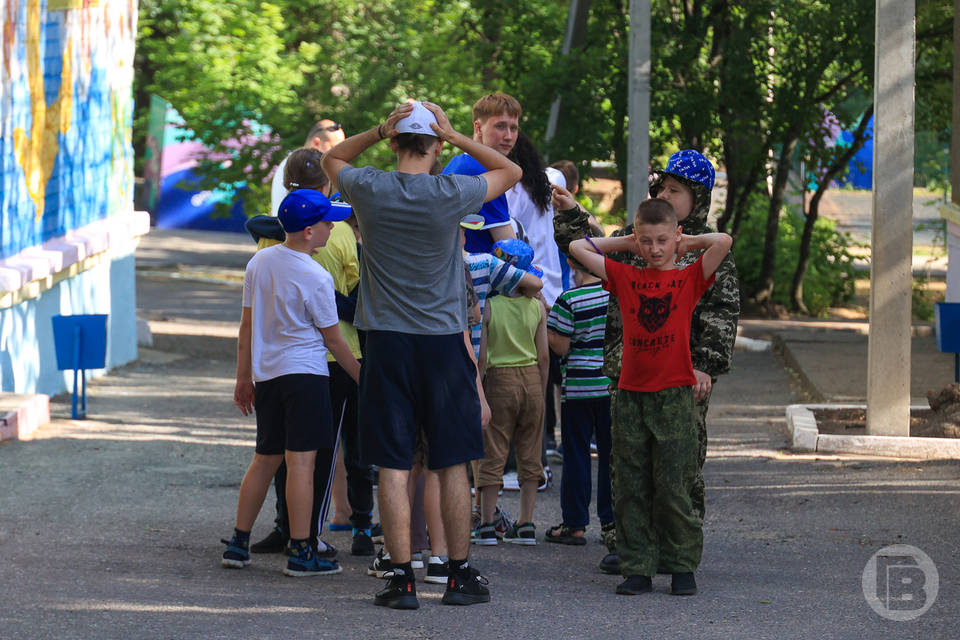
(416, 560)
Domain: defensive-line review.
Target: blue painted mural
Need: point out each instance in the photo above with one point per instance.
(66, 116)
(67, 225)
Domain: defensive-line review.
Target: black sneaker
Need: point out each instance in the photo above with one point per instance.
(437, 572)
(610, 563)
(400, 592)
(381, 565)
(525, 534)
(275, 542)
(466, 586)
(362, 543)
(683, 584)
(376, 533)
(485, 534)
(635, 585)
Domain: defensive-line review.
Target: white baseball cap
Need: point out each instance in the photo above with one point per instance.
(418, 121)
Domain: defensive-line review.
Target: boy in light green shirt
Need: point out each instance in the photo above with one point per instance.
(514, 358)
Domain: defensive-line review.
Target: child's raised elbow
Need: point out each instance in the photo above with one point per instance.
(726, 242)
(516, 173)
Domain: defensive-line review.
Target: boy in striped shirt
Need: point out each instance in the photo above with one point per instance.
(575, 330)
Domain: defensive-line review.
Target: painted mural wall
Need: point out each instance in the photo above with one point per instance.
(68, 229)
(66, 116)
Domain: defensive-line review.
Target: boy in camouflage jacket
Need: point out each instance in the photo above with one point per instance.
(686, 183)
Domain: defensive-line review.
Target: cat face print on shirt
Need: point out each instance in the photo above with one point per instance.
(654, 311)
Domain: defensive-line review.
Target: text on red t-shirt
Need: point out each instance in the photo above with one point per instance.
(656, 307)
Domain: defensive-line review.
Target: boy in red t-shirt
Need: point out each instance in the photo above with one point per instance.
(654, 437)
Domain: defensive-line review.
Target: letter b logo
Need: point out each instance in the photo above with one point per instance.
(900, 582)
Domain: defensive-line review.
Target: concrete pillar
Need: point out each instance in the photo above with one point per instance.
(638, 106)
(955, 130)
(951, 211)
(888, 360)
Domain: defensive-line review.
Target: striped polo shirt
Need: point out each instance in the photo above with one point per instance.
(580, 314)
(490, 275)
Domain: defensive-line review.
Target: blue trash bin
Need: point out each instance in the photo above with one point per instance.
(80, 343)
(947, 319)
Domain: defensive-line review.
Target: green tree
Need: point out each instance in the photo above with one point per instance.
(821, 53)
(229, 74)
(752, 83)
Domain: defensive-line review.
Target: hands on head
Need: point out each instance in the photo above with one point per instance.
(389, 127)
(442, 128)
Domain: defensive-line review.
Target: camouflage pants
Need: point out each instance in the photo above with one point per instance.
(697, 491)
(655, 450)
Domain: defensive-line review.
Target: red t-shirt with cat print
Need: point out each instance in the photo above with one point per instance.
(656, 307)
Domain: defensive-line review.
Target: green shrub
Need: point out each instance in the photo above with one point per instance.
(830, 276)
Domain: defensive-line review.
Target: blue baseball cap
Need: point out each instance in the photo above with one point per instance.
(693, 166)
(305, 207)
(517, 253)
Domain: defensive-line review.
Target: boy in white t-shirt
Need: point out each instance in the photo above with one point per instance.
(289, 322)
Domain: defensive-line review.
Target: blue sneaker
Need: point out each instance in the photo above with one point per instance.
(304, 562)
(237, 555)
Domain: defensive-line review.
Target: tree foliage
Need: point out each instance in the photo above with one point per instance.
(758, 85)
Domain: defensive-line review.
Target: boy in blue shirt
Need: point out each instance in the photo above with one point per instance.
(496, 121)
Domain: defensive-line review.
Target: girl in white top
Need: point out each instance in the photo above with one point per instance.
(529, 202)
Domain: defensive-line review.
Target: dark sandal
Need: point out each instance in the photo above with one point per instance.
(562, 534)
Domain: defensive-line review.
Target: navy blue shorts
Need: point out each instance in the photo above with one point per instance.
(412, 383)
(293, 413)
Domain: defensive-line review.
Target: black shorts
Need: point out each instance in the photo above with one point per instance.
(410, 383)
(293, 413)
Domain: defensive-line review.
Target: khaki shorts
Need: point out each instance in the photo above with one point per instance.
(515, 396)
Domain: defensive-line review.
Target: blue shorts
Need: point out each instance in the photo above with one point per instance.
(293, 413)
(411, 384)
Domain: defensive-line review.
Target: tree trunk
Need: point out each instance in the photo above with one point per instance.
(813, 212)
(739, 190)
(764, 293)
(740, 208)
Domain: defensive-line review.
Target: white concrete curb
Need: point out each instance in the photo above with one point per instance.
(806, 437)
(29, 413)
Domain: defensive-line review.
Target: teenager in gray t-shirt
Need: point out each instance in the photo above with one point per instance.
(411, 275)
(418, 375)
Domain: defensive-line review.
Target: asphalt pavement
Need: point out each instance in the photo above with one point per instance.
(110, 527)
